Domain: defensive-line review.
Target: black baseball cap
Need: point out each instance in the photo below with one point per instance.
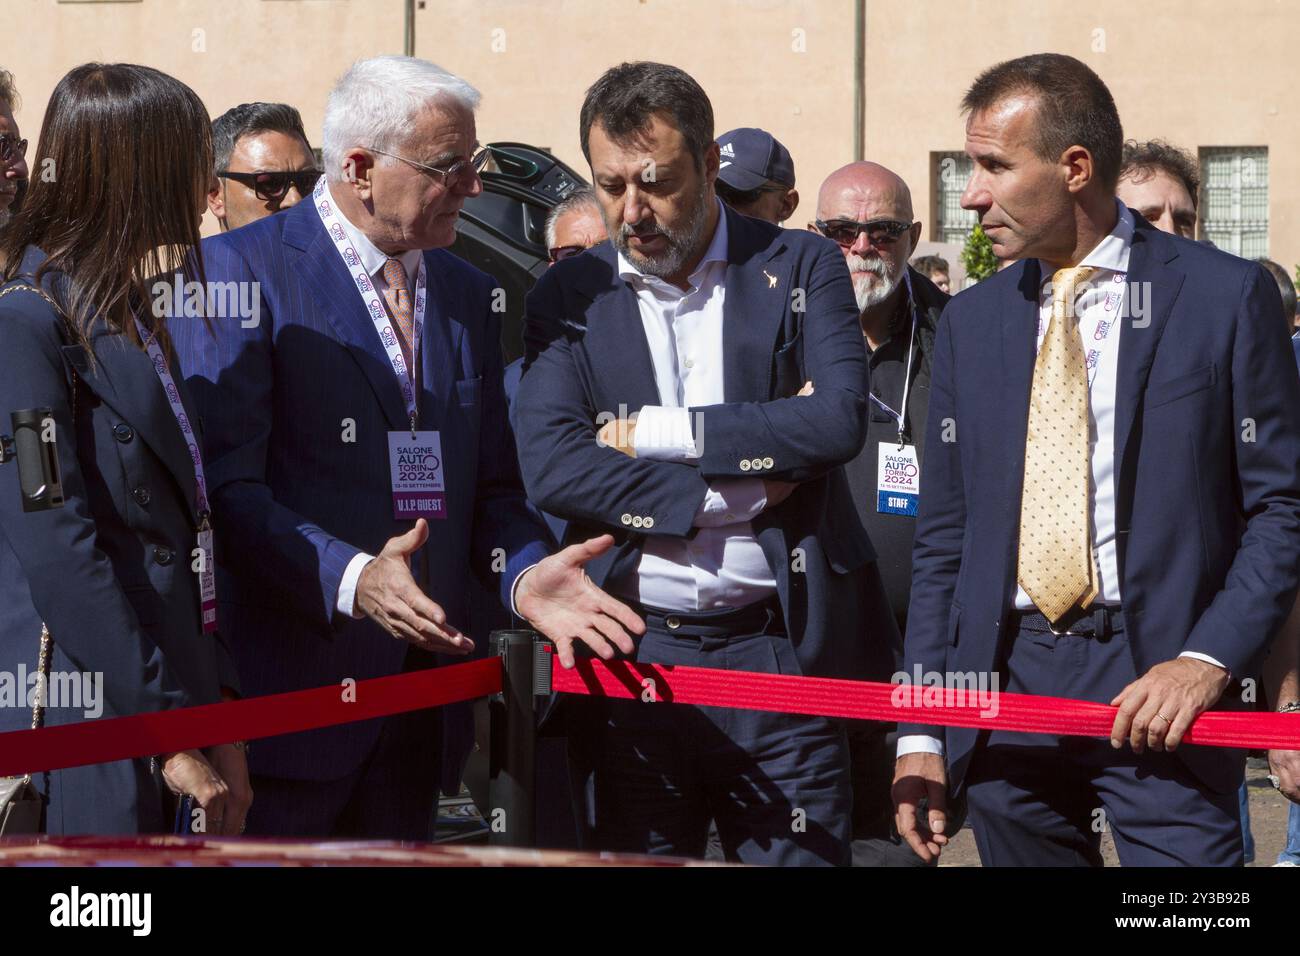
(750, 157)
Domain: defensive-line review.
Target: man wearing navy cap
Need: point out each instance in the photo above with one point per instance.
(756, 175)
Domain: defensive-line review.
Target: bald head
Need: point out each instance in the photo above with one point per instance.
(864, 191)
(869, 193)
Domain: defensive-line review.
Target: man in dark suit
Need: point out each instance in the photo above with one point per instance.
(1114, 520)
(736, 536)
(342, 480)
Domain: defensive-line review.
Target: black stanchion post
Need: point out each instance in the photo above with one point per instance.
(512, 792)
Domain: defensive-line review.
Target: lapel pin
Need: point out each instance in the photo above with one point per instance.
(771, 279)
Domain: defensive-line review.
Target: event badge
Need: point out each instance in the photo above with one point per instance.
(415, 463)
(898, 479)
(207, 578)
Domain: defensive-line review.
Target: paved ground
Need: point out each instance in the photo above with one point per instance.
(1268, 817)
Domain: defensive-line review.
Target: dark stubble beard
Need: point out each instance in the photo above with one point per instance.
(683, 241)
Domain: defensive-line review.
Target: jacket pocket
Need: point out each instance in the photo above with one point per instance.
(1170, 390)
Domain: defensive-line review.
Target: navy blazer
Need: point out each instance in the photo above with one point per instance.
(790, 316)
(297, 407)
(109, 572)
(1207, 486)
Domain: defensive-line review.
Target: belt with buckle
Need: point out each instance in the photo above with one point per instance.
(751, 618)
(1101, 620)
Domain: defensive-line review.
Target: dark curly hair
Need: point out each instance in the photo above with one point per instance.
(1142, 160)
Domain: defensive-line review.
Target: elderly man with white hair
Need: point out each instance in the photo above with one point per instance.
(360, 456)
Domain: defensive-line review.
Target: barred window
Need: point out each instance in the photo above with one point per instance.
(949, 173)
(1233, 205)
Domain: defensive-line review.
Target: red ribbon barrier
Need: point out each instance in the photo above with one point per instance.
(907, 703)
(189, 728)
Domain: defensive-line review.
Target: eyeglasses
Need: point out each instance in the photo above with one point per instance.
(452, 175)
(271, 187)
(563, 252)
(12, 149)
(881, 232)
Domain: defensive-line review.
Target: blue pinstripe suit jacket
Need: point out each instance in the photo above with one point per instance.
(296, 409)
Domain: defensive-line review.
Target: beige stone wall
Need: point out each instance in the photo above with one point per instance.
(1196, 72)
(229, 51)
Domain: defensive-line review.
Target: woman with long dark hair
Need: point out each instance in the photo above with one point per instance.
(105, 563)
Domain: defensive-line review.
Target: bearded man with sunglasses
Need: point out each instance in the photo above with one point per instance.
(361, 457)
(263, 163)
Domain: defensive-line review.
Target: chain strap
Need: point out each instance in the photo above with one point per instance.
(34, 289)
(42, 679)
(42, 685)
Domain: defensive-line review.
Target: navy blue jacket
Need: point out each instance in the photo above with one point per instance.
(296, 500)
(109, 572)
(1207, 487)
(790, 317)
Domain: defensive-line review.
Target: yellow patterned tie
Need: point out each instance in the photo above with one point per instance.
(1056, 566)
(398, 297)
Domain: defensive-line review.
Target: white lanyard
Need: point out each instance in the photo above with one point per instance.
(907, 374)
(206, 570)
(375, 305)
(182, 419)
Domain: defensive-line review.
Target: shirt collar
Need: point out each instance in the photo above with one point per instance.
(716, 252)
(1112, 253)
(372, 257)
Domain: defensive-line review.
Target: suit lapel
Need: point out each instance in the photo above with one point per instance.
(757, 294)
(615, 338)
(1019, 352)
(437, 350)
(1152, 289)
(324, 273)
(1019, 321)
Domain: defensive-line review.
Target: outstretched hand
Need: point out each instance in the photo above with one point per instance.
(558, 599)
(387, 592)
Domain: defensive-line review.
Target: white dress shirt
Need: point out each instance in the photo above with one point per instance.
(373, 259)
(1099, 300)
(722, 565)
(1098, 304)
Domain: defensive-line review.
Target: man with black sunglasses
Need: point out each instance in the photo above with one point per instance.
(263, 163)
(574, 225)
(867, 211)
